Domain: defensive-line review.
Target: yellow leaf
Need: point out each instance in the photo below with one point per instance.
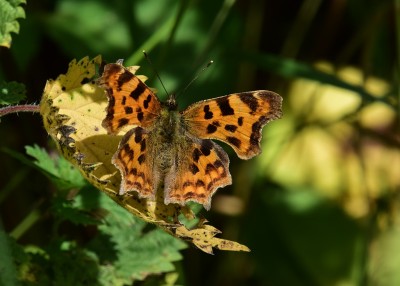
(73, 107)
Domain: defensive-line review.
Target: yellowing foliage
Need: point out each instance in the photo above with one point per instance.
(73, 107)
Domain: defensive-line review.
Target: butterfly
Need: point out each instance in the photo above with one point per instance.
(171, 150)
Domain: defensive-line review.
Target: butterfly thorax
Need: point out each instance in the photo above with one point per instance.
(168, 138)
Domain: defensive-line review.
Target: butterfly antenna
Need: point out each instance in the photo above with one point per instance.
(155, 71)
(196, 76)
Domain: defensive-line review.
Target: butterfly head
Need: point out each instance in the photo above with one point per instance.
(171, 102)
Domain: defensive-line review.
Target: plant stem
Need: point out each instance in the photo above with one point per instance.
(19, 108)
(214, 31)
(13, 182)
(26, 223)
(151, 42)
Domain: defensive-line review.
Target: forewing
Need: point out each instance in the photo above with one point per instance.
(236, 119)
(197, 173)
(133, 162)
(130, 101)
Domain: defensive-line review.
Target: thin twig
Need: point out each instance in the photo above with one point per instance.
(19, 108)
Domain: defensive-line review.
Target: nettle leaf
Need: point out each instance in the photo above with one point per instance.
(10, 11)
(27, 262)
(11, 92)
(134, 250)
(8, 271)
(65, 210)
(73, 107)
(60, 263)
(63, 174)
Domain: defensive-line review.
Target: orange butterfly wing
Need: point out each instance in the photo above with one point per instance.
(130, 101)
(236, 119)
(200, 169)
(136, 170)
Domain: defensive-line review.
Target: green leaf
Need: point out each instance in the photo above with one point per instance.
(60, 263)
(63, 174)
(83, 209)
(65, 210)
(11, 92)
(10, 11)
(8, 272)
(138, 249)
(78, 21)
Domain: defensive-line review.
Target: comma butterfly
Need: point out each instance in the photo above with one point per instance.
(171, 150)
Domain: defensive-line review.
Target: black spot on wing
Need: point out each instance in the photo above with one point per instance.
(138, 134)
(122, 122)
(250, 101)
(128, 151)
(196, 154)
(141, 175)
(209, 168)
(211, 128)
(138, 91)
(189, 195)
(240, 121)
(187, 184)
(218, 163)
(137, 185)
(230, 127)
(206, 146)
(147, 101)
(207, 113)
(234, 141)
(194, 169)
(200, 184)
(124, 78)
(211, 184)
(141, 159)
(143, 145)
(224, 106)
(128, 110)
(139, 114)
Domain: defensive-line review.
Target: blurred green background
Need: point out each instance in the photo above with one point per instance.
(320, 205)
